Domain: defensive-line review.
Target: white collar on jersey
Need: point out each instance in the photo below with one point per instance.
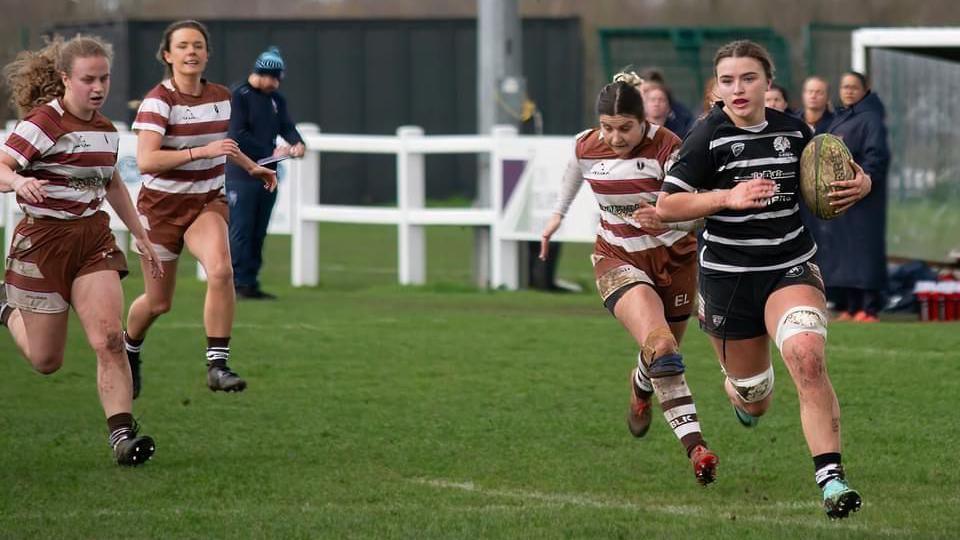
(757, 128)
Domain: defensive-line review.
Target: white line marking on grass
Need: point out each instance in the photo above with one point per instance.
(587, 501)
(885, 352)
(255, 326)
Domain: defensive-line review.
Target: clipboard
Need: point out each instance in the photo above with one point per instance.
(272, 159)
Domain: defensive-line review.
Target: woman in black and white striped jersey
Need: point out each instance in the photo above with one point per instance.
(740, 169)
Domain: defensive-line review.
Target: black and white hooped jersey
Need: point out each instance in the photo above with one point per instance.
(717, 155)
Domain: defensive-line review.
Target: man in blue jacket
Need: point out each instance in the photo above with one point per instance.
(259, 114)
(852, 248)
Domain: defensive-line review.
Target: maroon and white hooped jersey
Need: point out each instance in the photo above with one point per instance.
(186, 121)
(76, 157)
(619, 184)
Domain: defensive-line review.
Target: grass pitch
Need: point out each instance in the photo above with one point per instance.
(445, 412)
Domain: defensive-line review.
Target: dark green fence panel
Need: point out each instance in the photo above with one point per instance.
(685, 54)
(369, 77)
(826, 53)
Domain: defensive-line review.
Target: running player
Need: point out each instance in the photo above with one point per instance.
(740, 169)
(181, 151)
(60, 160)
(646, 273)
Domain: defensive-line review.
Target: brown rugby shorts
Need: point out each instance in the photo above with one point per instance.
(670, 271)
(48, 254)
(166, 217)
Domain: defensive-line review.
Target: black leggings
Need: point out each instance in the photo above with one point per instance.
(852, 300)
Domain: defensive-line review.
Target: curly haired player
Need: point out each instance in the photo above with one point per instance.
(63, 254)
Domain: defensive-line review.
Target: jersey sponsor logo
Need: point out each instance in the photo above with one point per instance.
(681, 300)
(780, 195)
(737, 148)
(681, 420)
(795, 272)
(88, 183)
(622, 210)
(640, 164)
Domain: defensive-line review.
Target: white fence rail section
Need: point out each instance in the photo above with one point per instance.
(519, 207)
(525, 175)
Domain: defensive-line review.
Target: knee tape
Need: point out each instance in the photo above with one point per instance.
(753, 389)
(657, 335)
(666, 366)
(800, 319)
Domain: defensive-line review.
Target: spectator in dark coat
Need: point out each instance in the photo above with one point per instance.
(816, 111)
(852, 254)
(679, 119)
(776, 98)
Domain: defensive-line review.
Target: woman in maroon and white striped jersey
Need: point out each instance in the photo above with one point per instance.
(60, 160)
(182, 148)
(646, 273)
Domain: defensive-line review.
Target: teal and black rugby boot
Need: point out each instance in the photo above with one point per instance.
(839, 499)
(745, 419)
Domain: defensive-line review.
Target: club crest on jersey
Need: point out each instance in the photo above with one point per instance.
(81, 143)
(737, 148)
(717, 320)
(599, 169)
(781, 144)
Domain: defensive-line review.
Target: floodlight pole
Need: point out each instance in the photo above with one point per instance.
(499, 81)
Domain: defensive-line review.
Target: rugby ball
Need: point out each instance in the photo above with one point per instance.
(824, 160)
